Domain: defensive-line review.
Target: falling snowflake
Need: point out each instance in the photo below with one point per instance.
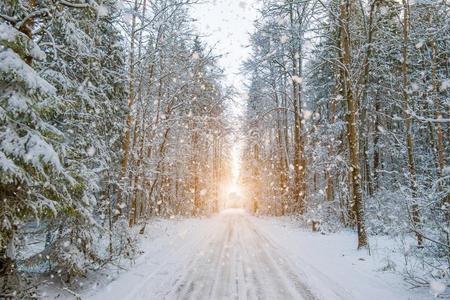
(297, 79)
(419, 45)
(307, 114)
(437, 288)
(90, 151)
(445, 84)
(284, 39)
(102, 11)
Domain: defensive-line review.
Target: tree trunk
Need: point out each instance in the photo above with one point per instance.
(195, 175)
(415, 214)
(353, 140)
(299, 192)
(131, 97)
(376, 150)
(329, 173)
(437, 115)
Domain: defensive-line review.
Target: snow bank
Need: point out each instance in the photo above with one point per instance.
(332, 266)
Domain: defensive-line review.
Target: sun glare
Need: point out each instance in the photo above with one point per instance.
(231, 191)
(236, 163)
(234, 188)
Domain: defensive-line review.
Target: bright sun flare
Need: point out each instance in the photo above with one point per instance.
(234, 188)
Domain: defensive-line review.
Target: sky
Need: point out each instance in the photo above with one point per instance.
(226, 25)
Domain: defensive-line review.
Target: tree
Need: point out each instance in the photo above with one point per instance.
(35, 183)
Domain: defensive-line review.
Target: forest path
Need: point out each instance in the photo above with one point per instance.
(238, 262)
(227, 257)
(234, 255)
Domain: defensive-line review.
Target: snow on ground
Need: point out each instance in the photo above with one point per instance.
(234, 255)
(332, 266)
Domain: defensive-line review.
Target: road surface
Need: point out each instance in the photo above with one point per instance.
(239, 262)
(229, 259)
(234, 255)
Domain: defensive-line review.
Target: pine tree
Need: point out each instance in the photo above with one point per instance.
(34, 180)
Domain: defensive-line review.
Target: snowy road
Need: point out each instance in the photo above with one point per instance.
(229, 259)
(236, 256)
(238, 262)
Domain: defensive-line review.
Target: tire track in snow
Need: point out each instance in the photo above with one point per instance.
(288, 283)
(197, 272)
(241, 266)
(140, 288)
(225, 257)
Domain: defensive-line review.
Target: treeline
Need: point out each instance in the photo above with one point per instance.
(348, 119)
(111, 112)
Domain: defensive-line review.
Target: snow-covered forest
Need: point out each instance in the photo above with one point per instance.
(123, 137)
